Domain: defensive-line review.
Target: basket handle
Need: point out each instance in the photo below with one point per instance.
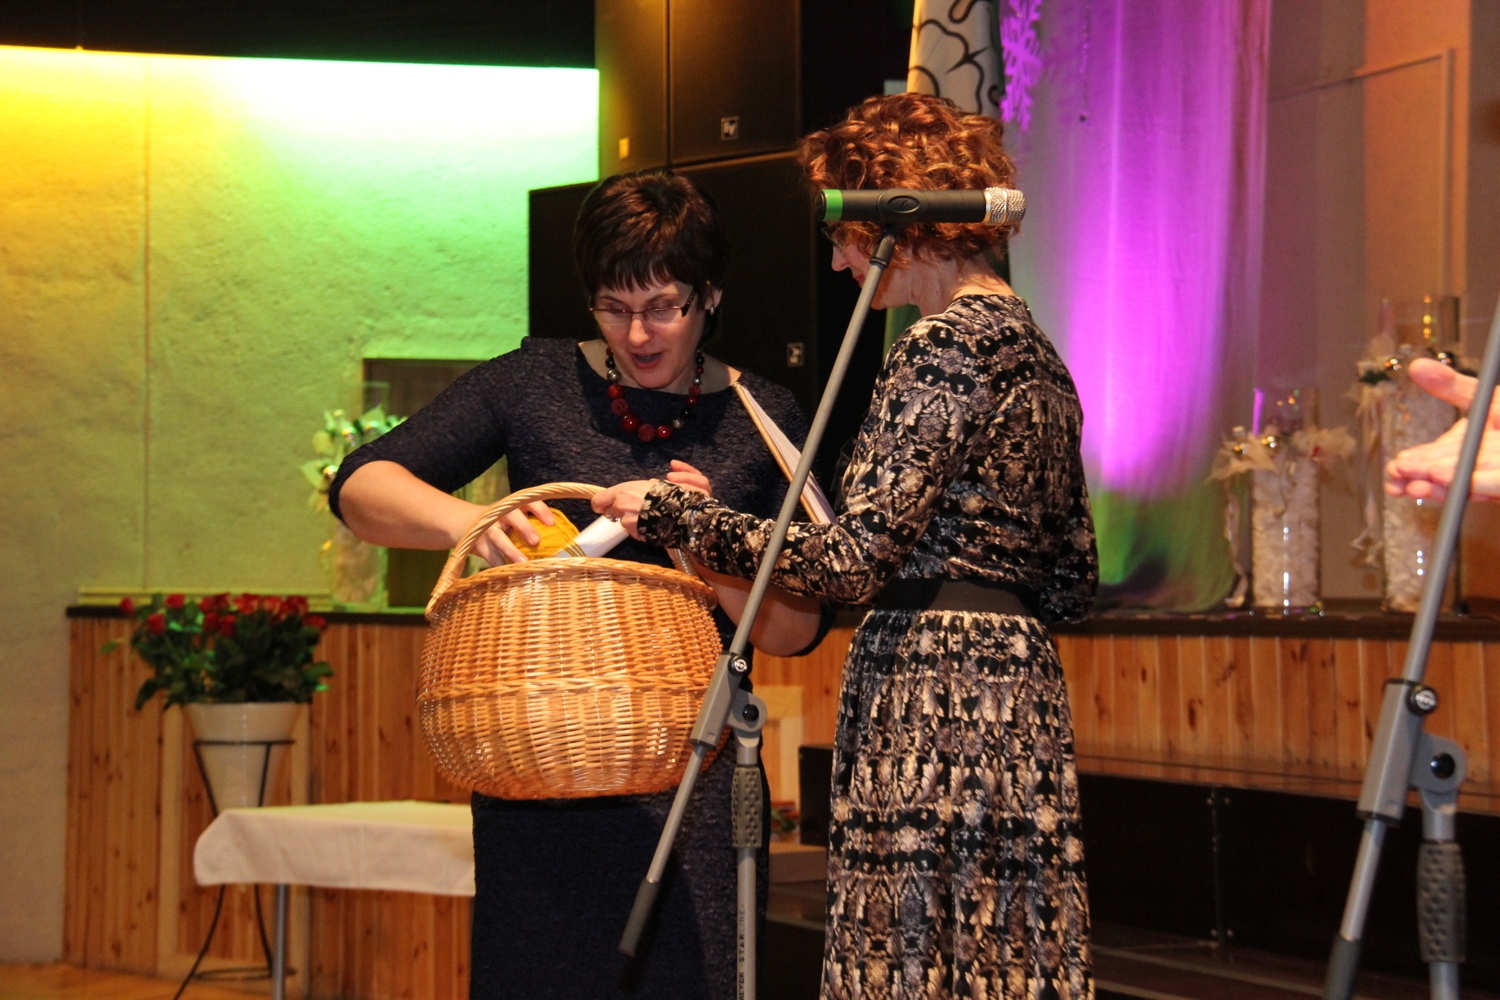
(453, 569)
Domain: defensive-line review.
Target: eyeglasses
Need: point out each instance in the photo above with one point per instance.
(660, 316)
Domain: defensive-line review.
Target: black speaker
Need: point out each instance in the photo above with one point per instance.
(733, 80)
(815, 779)
(684, 81)
(630, 51)
(785, 309)
(554, 296)
(768, 322)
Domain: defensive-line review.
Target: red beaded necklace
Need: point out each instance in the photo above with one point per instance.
(632, 424)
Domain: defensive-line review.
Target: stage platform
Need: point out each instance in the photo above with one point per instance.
(1128, 962)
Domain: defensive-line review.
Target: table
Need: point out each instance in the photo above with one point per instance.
(403, 846)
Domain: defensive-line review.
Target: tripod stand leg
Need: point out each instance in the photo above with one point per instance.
(1343, 963)
(278, 961)
(1440, 899)
(645, 896)
(715, 713)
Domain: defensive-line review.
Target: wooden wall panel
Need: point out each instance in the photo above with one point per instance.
(1169, 705)
(1286, 712)
(818, 674)
(364, 745)
(367, 743)
(367, 746)
(1352, 690)
(390, 944)
(1192, 681)
(1467, 696)
(110, 912)
(1274, 712)
(1100, 709)
(1264, 711)
(1321, 716)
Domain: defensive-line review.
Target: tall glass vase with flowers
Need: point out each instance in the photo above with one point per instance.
(1400, 535)
(239, 666)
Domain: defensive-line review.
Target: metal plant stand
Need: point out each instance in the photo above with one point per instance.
(275, 966)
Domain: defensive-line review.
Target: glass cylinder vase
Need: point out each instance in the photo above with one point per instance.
(1284, 568)
(355, 569)
(1424, 327)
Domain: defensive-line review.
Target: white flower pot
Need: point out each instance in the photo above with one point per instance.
(243, 748)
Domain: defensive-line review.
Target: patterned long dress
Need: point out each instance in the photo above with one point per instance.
(955, 862)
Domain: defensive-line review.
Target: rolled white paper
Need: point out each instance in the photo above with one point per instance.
(595, 540)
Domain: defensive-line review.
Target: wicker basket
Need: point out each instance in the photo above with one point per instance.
(564, 678)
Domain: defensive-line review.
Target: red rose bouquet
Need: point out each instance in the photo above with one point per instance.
(224, 649)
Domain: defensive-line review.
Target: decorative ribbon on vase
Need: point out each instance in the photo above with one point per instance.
(1243, 452)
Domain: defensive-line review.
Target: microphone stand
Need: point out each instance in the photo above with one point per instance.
(728, 703)
(1404, 757)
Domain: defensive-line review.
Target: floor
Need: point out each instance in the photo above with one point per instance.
(1153, 966)
(23, 981)
(1128, 963)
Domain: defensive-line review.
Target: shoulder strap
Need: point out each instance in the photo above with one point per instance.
(787, 455)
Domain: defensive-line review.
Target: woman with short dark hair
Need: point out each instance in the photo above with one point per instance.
(555, 879)
(955, 862)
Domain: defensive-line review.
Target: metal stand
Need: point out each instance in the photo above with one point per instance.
(1404, 757)
(728, 703)
(278, 957)
(275, 957)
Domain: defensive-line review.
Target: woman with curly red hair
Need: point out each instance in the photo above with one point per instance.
(955, 865)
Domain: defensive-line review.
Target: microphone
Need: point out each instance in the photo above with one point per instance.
(996, 206)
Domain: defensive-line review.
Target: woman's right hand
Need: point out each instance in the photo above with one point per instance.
(1426, 470)
(495, 546)
(686, 476)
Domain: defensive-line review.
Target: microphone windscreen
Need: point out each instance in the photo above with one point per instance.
(1004, 206)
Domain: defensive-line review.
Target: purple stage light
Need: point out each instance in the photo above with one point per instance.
(1144, 170)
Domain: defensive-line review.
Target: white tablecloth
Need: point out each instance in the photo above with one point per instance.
(406, 846)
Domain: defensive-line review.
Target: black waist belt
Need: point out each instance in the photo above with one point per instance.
(943, 594)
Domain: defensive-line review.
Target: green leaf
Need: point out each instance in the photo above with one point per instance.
(313, 472)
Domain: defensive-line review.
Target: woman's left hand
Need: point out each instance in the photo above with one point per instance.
(623, 503)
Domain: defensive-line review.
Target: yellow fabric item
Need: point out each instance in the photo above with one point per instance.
(554, 537)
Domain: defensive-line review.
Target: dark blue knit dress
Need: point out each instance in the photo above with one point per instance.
(555, 879)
